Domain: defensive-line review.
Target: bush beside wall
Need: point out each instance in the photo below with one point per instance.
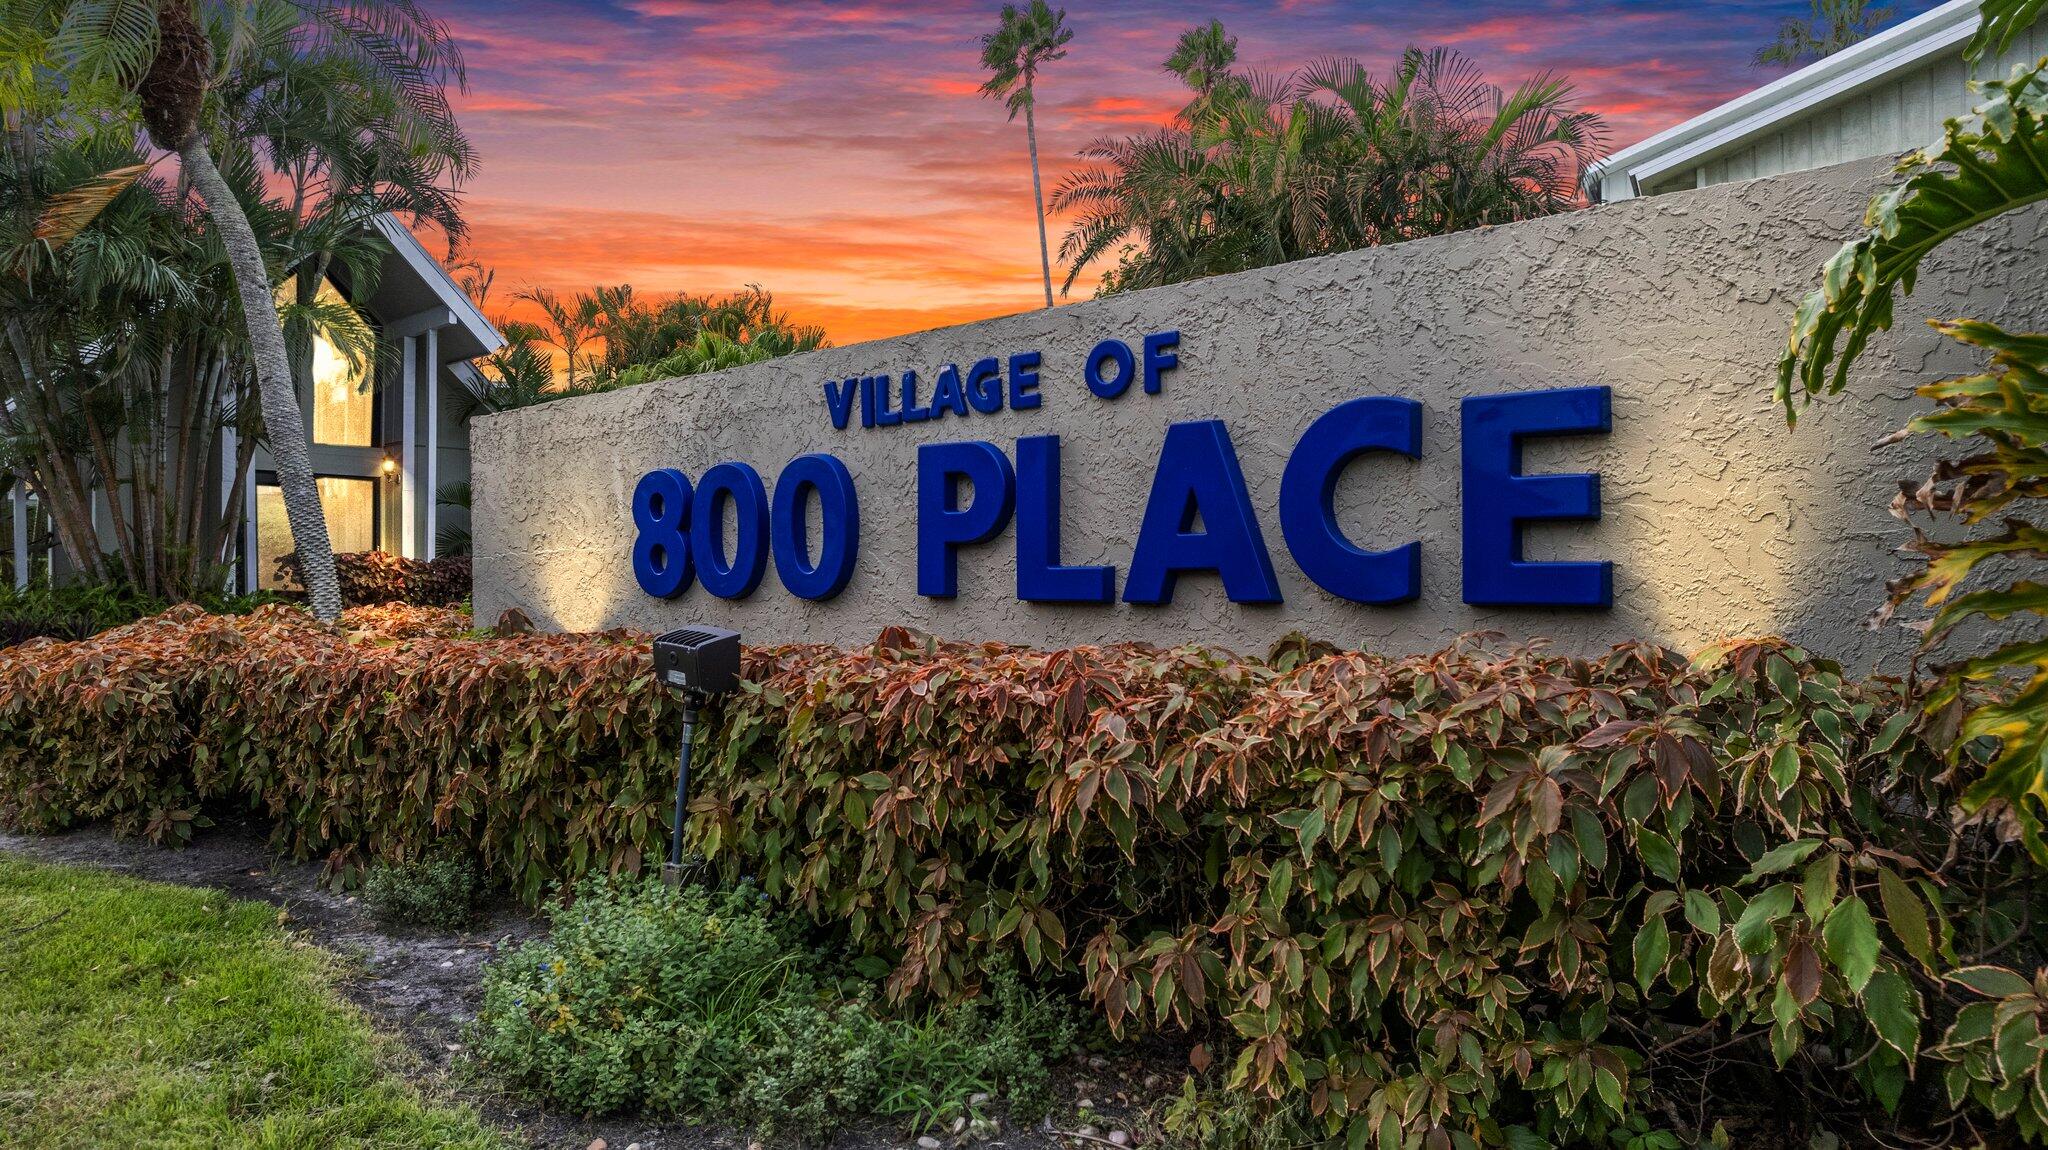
(370, 578)
(1476, 898)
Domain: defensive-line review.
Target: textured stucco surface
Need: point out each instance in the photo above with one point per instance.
(1721, 522)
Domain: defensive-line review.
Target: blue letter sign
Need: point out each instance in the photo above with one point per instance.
(1499, 499)
(739, 485)
(1040, 577)
(661, 552)
(1198, 517)
(839, 516)
(1308, 489)
(1198, 479)
(942, 526)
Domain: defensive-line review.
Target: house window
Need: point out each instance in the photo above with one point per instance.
(351, 509)
(344, 404)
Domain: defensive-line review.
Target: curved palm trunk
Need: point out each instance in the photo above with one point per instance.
(280, 400)
(1038, 198)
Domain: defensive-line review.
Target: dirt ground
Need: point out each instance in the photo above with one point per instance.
(425, 987)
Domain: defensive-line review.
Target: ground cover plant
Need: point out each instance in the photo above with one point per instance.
(700, 1003)
(137, 1014)
(439, 891)
(1484, 897)
(78, 610)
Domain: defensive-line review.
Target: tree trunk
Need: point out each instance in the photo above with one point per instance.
(1038, 196)
(283, 421)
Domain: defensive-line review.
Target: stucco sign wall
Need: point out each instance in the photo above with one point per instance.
(1561, 428)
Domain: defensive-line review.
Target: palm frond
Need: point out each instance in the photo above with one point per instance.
(108, 37)
(71, 211)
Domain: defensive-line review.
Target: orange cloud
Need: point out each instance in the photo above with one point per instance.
(839, 151)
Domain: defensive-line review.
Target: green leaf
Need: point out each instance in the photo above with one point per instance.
(2003, 21)
(1610, 1089)
(1907, 915)
(1592, 839)
(1754, 930)
(1701, 912)
(1851, 941)
(1785, 767)
(1280, 884)
(1783, 857)
(1653, 947)
(1782, 676)
(1658, 854)
(1817, 888)
(1991, 981)
(1893, 728)
(1894, 1012)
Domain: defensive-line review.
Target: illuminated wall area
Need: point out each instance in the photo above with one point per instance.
(1561, 429)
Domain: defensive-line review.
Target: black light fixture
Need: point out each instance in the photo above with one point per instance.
(700, 662)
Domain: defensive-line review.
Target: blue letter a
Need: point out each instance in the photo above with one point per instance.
(1198, 479)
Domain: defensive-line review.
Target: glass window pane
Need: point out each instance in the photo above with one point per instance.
(351, 510)
(351, 506)
(343, 405)
(273, 539)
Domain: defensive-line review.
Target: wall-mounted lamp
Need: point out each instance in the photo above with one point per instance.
(389, 466)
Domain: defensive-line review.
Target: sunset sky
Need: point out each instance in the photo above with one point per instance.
(839, 154)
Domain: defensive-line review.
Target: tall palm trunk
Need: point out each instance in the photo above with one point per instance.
(1037, 192)
(282, 418)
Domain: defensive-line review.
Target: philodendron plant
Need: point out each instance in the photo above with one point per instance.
(1988, 164)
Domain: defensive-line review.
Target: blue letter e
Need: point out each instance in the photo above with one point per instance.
(942, 525)
(1499, 499)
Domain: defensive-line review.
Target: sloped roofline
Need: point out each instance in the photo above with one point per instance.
(1859, 66)
(430, 272)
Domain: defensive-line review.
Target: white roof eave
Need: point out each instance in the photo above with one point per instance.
(1852, 69)
(437, 279)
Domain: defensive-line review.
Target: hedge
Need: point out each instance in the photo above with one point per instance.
(1483, 897)
(370, 578)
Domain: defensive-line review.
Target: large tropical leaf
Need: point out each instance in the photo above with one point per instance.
(2003, 414)
(1988, 164)
(2004, 20)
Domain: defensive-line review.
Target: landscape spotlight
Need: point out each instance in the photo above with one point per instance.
(699, 661)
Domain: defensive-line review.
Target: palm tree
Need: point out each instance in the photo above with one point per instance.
(1202, 59)
(122, 360)
(569, 326)
(1832, 26)
(614, 336)
(1260, 170)
(1026, 40)
(181, 58)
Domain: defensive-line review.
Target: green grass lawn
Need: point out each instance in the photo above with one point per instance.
(161, 1016)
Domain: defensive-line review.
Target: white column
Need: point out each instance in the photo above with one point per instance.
(432, 439)
(20, 533)
(408, 451)
(227, 488)
(252, 575)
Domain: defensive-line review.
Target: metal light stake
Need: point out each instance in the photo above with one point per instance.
(672, 870)
(700, 662)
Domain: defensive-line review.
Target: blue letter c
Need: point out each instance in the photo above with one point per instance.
(1308, 488)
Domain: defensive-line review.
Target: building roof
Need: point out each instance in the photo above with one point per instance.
(423, 285)
(1853, 69)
